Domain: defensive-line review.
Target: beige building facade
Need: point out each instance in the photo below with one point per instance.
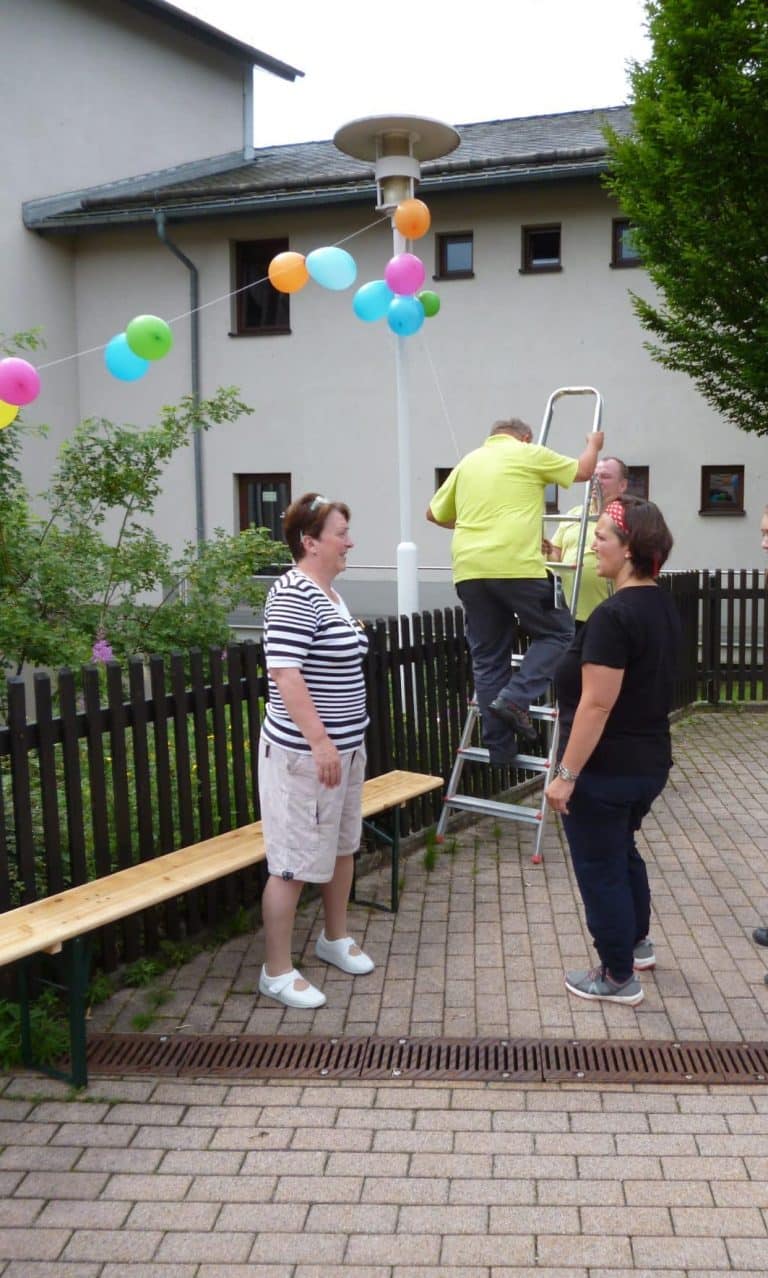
(545, 304)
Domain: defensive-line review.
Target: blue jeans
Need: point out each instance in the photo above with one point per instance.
(493, 607)
(606, 811)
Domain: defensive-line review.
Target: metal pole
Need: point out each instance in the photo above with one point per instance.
(407, 552)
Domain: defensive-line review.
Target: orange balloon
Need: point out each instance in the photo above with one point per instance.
(412, 219)
(288, 272)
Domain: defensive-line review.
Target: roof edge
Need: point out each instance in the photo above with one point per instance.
(179, 20)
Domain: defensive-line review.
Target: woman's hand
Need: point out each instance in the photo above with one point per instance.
(327, 762)
(557, 793)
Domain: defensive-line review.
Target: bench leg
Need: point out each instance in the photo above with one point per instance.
(393, 842)
(77, 961)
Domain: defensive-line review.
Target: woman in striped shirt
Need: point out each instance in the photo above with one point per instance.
(312, 748)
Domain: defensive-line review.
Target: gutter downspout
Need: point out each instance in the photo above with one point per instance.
(194, 322)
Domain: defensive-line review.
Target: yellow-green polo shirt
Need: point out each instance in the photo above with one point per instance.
(592, 589)
(495, 496)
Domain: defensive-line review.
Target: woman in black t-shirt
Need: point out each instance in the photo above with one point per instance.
(614, 687)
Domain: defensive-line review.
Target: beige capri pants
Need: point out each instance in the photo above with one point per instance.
(307, 825)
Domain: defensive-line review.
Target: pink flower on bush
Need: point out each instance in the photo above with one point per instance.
(102, 650)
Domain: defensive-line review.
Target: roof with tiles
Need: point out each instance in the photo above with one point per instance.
(493, 152)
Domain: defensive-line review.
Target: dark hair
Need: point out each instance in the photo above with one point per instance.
(513, 426)
(648, 539)
(306, 518)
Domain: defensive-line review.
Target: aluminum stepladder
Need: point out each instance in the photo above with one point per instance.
(547, 714)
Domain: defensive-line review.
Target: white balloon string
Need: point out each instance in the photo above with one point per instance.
(440, 395)
(204, 306)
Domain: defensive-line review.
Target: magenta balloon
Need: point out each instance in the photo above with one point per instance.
(19, 381)
(404, 273)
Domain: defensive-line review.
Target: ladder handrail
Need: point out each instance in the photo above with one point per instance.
(592, 489)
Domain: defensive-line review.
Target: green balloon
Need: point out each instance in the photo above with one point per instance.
(149, 336)
(430, 301)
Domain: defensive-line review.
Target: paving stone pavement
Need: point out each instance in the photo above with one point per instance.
(149, 1178)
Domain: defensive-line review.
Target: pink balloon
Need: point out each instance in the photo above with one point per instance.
(404, 273)
(19, 381)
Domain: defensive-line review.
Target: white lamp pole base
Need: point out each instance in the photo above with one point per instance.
(407, 579)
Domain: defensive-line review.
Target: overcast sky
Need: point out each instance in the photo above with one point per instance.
(487, 60)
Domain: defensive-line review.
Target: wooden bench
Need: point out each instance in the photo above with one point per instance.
(64, 921)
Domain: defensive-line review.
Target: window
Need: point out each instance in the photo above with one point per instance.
(551, 501)
(455, 256)
(722, 490)
(541, 249)
(623, 250)
(263, 500)
(637, 482)
(441, 474)
(258, 307)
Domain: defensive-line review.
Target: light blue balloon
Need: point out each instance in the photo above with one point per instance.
(121, 361)
(405, 316)
(372, 300)
(332, 267)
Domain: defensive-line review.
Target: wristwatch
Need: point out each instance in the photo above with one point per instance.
(565, 773)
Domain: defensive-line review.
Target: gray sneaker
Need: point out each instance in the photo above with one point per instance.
(598, 984)
(645, 955)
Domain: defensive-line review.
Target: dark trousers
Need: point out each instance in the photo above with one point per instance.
(606, 812)
(493, 607)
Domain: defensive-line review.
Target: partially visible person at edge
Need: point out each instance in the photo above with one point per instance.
(312, 748)
(614, 687)
(760, 934)
(609, 482)
(494, 501)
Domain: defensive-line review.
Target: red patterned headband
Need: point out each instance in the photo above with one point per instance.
(617, 514)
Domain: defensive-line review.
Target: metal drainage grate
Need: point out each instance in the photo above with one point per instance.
(475, 1059)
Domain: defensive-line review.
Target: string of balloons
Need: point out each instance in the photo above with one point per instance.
(399, 297)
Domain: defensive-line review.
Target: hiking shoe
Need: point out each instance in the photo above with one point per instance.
(597, 984)
(645, 955)
(517, 718)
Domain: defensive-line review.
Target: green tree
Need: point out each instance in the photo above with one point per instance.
(92, 569)
(693, 178)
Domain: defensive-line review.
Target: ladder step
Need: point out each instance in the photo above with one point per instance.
(489, 807)
(548, 713)
(531, 762)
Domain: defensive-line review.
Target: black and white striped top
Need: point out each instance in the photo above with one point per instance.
(304, 629)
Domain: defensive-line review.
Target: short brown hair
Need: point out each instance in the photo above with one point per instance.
(648, 538)
(306, 518)
(623, 467)
(513, 426)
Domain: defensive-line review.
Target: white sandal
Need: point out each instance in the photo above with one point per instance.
(338, 953)
(283, 989)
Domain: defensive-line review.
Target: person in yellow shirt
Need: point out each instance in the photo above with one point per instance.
(612, 476)
(494, 502)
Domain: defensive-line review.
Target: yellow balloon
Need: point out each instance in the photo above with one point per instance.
(8, 413)
(288, 272)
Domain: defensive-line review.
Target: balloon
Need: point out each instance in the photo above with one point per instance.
(121, 361)
(405, 316)
(430, 301)
(288, 272)
(404, 273)
(412, 219)
(371, 301)
(149, 337)
(19, 381)
(8, 413)
(332, 267)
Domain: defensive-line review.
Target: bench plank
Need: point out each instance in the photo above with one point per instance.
(43, 926)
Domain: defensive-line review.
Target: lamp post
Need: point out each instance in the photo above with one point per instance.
(397, 144)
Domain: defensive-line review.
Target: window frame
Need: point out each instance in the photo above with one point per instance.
(527, 263)
(262, 477)
(443, 240)
(618, 262)
(270, 246)
(638, 481)
(708, 506)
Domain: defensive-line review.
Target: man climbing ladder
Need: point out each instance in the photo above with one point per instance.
(494, 502)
